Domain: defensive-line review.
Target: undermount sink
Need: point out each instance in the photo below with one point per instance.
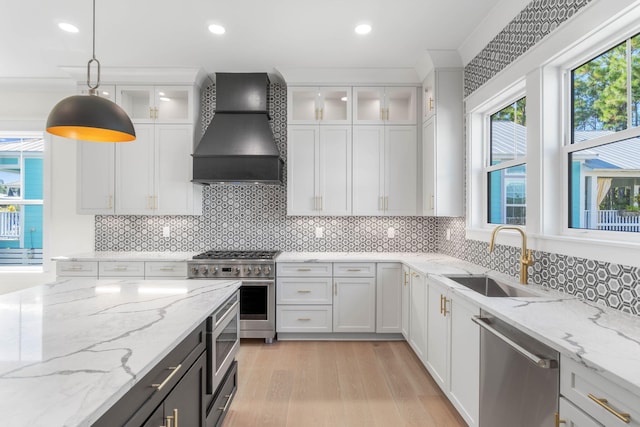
(489, 287)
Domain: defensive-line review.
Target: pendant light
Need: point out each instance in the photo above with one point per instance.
(91, 117)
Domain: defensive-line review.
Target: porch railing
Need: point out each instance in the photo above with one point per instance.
(611, 220)
(9, 225)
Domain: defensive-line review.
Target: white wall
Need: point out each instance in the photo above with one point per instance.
(25, 108)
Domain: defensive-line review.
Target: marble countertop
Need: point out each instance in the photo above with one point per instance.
(603, 339)
(72, 348)
(127, 256)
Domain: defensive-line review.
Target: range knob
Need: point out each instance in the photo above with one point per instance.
(194, 270)
(266, 270)
(236, 271)
(203, 270)
(256, 270)
(247, 270)
(214, 270)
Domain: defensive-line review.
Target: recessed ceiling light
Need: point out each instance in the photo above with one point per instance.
(343, 99)
(217, 29)
(105, 93)
(165, 99)
(363, 29)
(65, 26)
(161, 93)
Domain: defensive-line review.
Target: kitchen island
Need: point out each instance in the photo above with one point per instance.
(71, 349)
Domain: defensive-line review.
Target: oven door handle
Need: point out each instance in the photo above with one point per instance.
(232, 311)
(257, 282)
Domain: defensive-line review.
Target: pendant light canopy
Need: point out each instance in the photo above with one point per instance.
(90, 117)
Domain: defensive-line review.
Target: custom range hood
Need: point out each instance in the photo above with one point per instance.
(238, 146)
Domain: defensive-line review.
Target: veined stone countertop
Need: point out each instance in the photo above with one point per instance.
(71, 349)
(602, 339)
(127, 256)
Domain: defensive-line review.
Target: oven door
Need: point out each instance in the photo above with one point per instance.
(223, 342)
(257, 306)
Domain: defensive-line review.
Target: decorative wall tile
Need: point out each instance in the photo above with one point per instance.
(536, 21)
(254, 217)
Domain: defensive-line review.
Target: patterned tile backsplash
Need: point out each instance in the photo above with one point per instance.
(537, 20)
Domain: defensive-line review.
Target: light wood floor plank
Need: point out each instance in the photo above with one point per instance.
(336, 384)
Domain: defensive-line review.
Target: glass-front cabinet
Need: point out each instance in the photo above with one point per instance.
(319, 105)
(384, 105)
(157, 104)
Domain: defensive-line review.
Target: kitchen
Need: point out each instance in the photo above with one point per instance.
(234, 216)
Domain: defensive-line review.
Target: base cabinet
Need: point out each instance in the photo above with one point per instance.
(572, 416)
(354, 304)
(388, 298)
(417, 314)
(406, 275)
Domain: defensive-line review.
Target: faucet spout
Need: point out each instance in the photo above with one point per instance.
(526, 257)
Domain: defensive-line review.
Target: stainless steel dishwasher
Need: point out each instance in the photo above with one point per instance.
(519, 377)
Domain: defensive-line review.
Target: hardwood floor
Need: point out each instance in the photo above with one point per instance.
(336, 383)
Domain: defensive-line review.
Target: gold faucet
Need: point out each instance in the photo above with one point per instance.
(526, 258)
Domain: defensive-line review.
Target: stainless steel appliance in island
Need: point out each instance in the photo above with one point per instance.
(256, 270)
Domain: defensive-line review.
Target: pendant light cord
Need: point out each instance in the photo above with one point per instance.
(93, 89)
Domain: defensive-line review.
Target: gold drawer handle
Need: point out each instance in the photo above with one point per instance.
(304, 319)
(226, 405)
(174, 369)
(354, 269)
(73, 268)
(304, 291)
(605, 404)
(304, 269)
(120, 268)
(166, 268)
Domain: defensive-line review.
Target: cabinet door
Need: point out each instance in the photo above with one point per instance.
(302, 172)
(354, 305)
(184, 403)
(572, 416)
(138, 102)
(368, 105)
(401, 170)
(156, 419)
(429, 168)
(464, 337)
(437, 333)
(334, 170)
(95, 192)
(368, 170)
(173, 104)
(135, 173)
(417, 312)
(389, 298)
(335, 105)
(173, 170)
(302, 105)
(405, 301)
(400, 105)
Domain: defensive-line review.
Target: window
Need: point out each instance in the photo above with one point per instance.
(604, 156)
(506, 170)
(21, 187)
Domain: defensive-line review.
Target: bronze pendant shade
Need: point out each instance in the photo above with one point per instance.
(90, 118)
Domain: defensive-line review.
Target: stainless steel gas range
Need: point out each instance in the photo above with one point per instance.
(256, 270)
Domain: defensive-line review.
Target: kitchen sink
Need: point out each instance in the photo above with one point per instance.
(489, 287)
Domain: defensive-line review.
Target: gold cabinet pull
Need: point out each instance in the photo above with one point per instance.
(354, 269)
(441, 309)
(626, 418)
(156, 117)
(406, 276)
(120, 268)
(304, 291)
(322, 114)
(151, 112)
(430, 103)
(110, 201)
(166, 269)
(558, 420)
(444, 306)
(317, 114)
(387, 114)
(304, 319)
(173, 418)
(73, 268)
(386, 203)
(381, 113)
(174, 370)
(304, 269)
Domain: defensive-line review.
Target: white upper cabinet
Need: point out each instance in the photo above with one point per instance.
(384, 105)
(96, 163)
(384, 170)
(157, 104)
(443, 145)
(319, 170)
(319, 105)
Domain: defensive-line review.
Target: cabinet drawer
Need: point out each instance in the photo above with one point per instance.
(574, 417)
(304, 318)
(577, 383)
(354, 269)
(165, 269)
(77, 268)
(223, 398)
(121, 269)
(301, 290)
(304, 269)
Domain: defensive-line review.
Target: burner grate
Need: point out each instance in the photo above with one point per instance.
(231, 255)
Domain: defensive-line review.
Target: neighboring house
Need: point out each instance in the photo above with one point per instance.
(606, 177)
(21, 184)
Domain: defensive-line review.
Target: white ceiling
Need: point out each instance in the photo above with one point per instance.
(261, 35)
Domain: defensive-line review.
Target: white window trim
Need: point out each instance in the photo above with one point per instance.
(597, 27)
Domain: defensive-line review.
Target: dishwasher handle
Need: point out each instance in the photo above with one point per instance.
(538, 361)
